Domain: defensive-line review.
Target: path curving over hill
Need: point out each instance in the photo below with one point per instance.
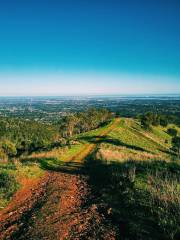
(58, 206)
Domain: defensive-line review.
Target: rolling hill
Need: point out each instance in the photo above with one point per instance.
(120, 179)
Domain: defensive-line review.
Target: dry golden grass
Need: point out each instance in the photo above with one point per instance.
(56, 153)
(122, 154)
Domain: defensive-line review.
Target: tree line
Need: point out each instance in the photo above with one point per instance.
(150, 119)
(18, 135)
(153, 119)
(83, 121)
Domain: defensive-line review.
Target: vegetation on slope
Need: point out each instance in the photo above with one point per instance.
(136, 182)
(8, 186)
(18, 136)
(14, 175)
(26, 137)
(130, 141)
(132, 172)
(140, 197)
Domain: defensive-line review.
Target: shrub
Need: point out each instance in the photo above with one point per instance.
(176, 145)
(172, 132)
(8, 147)
(8, 185)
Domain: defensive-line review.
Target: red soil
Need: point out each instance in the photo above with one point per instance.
(54, 208)
(58, 206)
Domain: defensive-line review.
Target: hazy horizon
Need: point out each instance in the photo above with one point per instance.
(145, 95)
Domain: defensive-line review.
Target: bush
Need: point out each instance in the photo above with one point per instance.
(8, 185)
(8, 147)
(163, 121)
(153, 119)
(172, 132)
(176, 145)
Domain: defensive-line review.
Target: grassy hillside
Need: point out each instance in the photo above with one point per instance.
(137, 182)
(130, 141)
(30, 167)
(131, 172)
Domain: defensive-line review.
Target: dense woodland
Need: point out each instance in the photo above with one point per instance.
(83, 121)
(19, 135)
(155, 119)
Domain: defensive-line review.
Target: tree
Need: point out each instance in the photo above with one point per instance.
(67, 125)
(8, 147)
(163, 121)
(176, 144)
(172, 132)
(83, 121)
(153, 119)
(156, 120)
(146, 120)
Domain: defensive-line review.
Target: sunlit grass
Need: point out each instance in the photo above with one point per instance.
(17, 173)
(73, 149)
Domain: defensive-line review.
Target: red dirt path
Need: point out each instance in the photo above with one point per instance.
(56, 207)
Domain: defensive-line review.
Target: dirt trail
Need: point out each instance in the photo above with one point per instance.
(21, 206)
(89, 147)
(56, 207)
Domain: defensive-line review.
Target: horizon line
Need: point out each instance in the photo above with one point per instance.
(106, 94)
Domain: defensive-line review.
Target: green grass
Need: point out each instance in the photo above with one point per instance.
(8, 185)
(130, 141)
(73, 149)
(58, 162)
(144, 196)
(93, 133)
(132, 173)
(10, 178)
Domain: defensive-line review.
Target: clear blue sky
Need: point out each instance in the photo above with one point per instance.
(89, 46)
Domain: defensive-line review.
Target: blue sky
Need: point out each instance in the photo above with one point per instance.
(54, 47)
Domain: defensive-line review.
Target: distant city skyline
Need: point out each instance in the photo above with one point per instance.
(89, 47)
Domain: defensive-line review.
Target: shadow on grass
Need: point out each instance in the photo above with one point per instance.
(54, 164)
(120, 192)
(114, 186)
(105, 139)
